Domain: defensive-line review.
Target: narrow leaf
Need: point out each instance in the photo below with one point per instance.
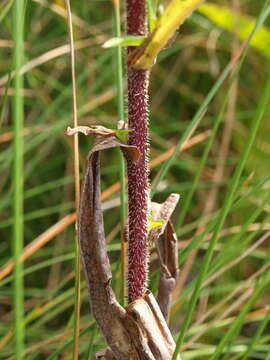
(123, 134)
(105, 307)
(98, 130)
(152, 16)
(162, 212)
(124, 41)
(154, 224)
(166, 243)
(241, 25)
(94, 130)
(174, 15)
(138, 331)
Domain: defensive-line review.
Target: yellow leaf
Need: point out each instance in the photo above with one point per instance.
(60, 3)
(173, 16)
(242, 25)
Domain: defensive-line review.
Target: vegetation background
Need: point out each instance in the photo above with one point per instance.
(221, 174)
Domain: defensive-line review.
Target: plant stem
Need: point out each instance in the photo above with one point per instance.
(121, 115)
(77, 297)
(138, 172)
(18, 179)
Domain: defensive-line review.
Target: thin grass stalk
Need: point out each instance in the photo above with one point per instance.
(224, 212)
(137, 172)
(18, 177)
(121, 116)
(77, 299)
(5, 10)
(91, 343)
(4, 100)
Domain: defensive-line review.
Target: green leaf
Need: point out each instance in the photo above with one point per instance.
(154, 224)
(152, 14)
(124, 41)
(122, 135)
(240, 24)
(171, 19)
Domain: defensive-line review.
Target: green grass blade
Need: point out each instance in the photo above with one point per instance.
(18, 182)
(123, 41)
(91, 344)
(121, 116)
(5, 10)
(2, 106)
(268, 356)
(77, 297)
(223, 16)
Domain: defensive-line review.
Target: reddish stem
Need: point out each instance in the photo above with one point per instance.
(138, 172)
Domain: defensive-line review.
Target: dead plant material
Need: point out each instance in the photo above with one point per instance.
(138, 331)
(93, 130)
(166, 243)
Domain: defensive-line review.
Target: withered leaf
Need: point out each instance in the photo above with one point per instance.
(149, 317)
(131, 334)
(120, 133)
(93, 130)
(166, 243)
(105, 354)
(162, 212)
(106, 310)
(173, 16)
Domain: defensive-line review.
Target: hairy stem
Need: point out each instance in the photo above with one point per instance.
(138, 172)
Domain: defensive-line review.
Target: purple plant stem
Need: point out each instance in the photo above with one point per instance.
(138, 172)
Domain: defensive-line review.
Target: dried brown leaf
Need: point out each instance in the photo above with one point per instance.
(167, 250)
(139, 331)
(148, 315)
(93, 130)
(166, 242)
(105, 354)
(106, 310)
(162, 212)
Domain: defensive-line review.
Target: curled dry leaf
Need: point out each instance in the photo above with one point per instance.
(93, 130)
(106, 310)
(147, 314)
(148, 329)
(139, 331)
(166, 242)
(105, 354)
